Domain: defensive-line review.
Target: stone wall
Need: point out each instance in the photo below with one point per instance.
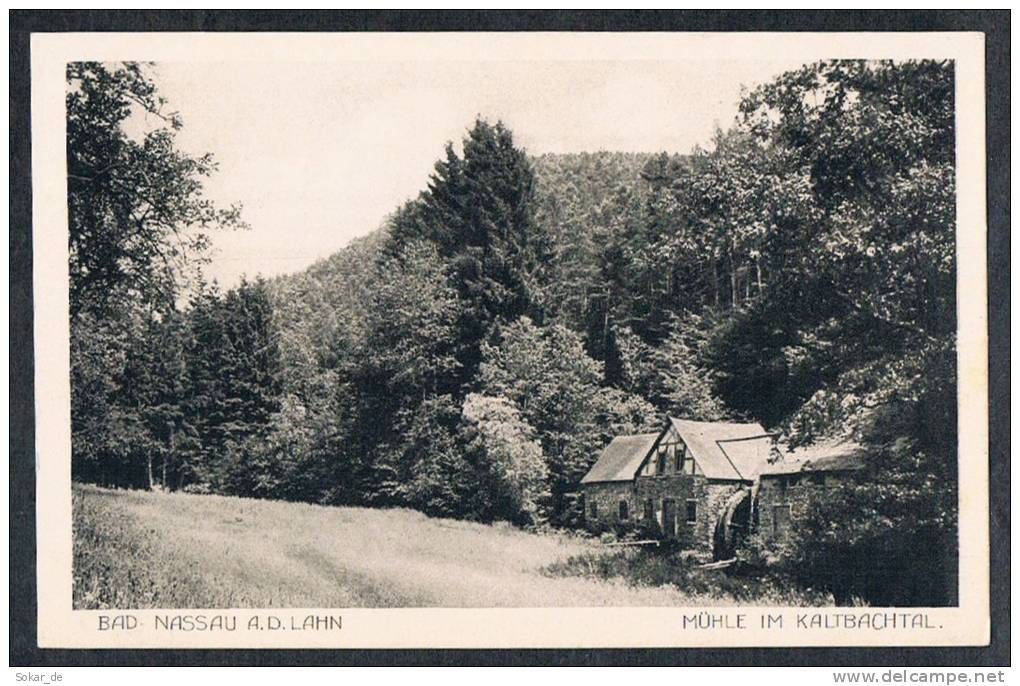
(698, 536)
(606, 498)
(679, 488)
(709, 498)
(782, 498)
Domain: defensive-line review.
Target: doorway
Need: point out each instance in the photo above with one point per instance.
(669, 518)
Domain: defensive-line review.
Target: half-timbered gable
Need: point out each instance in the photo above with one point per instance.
(690, 483)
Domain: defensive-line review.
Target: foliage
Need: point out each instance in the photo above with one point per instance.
(136, 214)
(437, 477)
(473, 356)
(671, 375)
(860, 539)
(509, 461)
(101, 438)
(547, 376)
(643, 567)
(408, 344)
(479, 213)
(232, 361)
(590, 204)
(865, 343)
(403, 353)
(869, 141)
(138, 226)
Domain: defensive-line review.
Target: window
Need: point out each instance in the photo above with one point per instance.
(683, 460)
(660, 463)
(649, 510)
(593, 509)
(689, 466)
(649, 466)
(624, 510)
(780, 518)
(692, 510)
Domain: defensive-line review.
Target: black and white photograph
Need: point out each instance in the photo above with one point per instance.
(525, 322)
(595, 352)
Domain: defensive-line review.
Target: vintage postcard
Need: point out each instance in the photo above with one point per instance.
(497, 340)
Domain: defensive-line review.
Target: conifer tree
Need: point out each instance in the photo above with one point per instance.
(479, 211)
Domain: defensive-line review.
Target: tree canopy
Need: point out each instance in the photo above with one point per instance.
(137, 217)
(473, 355)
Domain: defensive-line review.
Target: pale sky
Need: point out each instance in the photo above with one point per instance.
(319, 153)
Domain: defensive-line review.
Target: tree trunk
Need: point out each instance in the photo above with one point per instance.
(169, 454)
(715, 283)
(734, 287)
(148, 465)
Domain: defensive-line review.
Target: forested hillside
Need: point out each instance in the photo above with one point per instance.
(472, 356)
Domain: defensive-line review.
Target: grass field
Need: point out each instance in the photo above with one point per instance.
(135, 549)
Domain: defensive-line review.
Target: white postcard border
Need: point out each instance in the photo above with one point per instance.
(59, 626)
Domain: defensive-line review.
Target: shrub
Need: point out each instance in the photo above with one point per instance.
(664, 566)
(887, 537)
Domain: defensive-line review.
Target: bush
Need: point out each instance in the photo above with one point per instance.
(664, 565)
(887, 537)
(198, 488)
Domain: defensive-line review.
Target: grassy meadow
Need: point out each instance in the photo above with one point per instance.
(136, 549)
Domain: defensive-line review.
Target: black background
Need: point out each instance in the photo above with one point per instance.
(994, 24)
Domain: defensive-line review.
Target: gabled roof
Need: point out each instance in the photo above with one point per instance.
(621, 459)
(726, 450)
(824, 456)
